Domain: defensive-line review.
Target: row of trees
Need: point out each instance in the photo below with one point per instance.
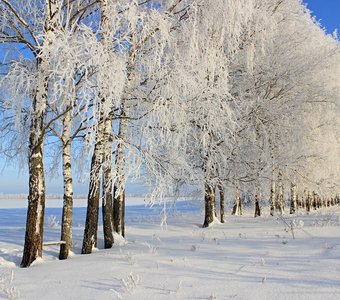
(230, 95)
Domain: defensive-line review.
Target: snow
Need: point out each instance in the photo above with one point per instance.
(244, 258)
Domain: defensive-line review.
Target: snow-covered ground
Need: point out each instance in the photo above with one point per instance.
(244, 258)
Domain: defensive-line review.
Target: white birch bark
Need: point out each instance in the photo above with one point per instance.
(293, 198)
(308, 201)
(119, 183)
(237, 209)
(221, 189)
(36, 198)
(280, 193)
(66, 225)
(257, 203)
(209, 199)
(91, 223)
(107, 206)
(314, 200)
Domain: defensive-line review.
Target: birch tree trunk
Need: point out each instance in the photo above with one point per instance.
(209, 199)
(36, 198)
(257, 206)
(293, 202)
(273, 204)
(91, 223)
(257, 198)
(308, 202)
(303, 200)
(119, 184)
(259, 142)
(214, 203)
(107, 206)
(66, 225)
(299, 200)
(237, 209)
(280, 194)
(273, 198)
(221, 203)
(314, 200)
(320, 204)
(121, 153)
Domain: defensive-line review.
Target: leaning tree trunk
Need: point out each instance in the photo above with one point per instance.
(209, 199)
(293, 202)
(66, 224)
(107, 206)
(119, 183)
(91, 224)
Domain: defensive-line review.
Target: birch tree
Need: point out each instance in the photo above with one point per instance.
(136, 30)
(66, 108)
(38, 28)
(16, 28)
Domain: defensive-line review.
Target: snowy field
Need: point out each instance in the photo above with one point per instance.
(244, 258)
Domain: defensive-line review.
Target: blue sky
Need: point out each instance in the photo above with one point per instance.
(327, 12)
(14, 182)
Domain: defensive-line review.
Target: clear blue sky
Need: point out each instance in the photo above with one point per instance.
(11, 182)
(327, 12)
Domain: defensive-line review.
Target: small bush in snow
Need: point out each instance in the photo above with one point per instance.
(131, 282)
(212, 297)
(6, 288)
(52, 221)
(296, 224)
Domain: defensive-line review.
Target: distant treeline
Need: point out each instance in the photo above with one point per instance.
(54, 196)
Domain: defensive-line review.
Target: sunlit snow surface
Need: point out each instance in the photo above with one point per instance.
(245, 258)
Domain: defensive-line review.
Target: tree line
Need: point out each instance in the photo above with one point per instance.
(235, 96)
